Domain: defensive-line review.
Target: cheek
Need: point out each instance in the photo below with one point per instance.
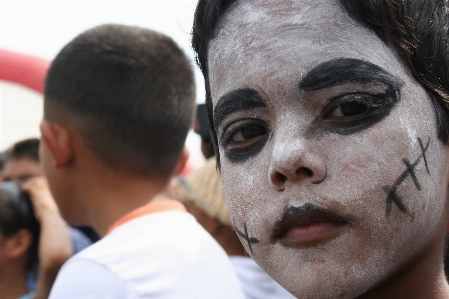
(250, 200)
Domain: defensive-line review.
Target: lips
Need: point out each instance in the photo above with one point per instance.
(307, 226)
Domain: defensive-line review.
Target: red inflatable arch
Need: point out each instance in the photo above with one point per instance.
(24, 69)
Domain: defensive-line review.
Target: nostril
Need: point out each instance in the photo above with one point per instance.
(304, 170)
(279, 178)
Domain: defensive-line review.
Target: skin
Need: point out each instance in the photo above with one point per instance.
(293, 145)
(88, 191)
(19, 170)
(13, 260)
(55, 244)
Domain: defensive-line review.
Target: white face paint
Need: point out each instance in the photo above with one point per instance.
(331, 139)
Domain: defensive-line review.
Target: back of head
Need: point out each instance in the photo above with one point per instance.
(129, 92)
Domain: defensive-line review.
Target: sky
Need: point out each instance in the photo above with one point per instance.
(42, 28)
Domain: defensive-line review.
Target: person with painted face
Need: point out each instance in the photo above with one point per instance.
(201, 192)
(330, 120)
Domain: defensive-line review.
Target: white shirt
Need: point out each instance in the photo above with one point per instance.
(255, 282)
(160, 255)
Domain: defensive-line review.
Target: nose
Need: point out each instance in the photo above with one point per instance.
(295, 163)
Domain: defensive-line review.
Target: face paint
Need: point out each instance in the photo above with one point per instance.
(232, 102)
(320, 126)
(360, 110)
(392, 196)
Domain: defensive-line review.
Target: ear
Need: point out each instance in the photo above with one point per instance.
(57, 138)
(17, 245)
(182, 161)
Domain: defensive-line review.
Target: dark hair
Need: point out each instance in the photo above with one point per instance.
(28, 148)
(417, 30)
(16, 213)
(129, 92)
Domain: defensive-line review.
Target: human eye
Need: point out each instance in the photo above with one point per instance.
(351, 113)
(244, 138)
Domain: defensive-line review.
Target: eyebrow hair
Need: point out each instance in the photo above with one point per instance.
(236, 100)
(341, 71)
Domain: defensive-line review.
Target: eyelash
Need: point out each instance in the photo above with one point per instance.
(374, 107)
(231, 131)
(369, 100)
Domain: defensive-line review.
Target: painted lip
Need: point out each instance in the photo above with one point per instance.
(307, 226)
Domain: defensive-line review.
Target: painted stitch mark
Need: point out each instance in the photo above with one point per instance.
(392, 196)
(246, 237)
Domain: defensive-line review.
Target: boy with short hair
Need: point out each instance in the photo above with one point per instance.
(22, 161)
(118, 104)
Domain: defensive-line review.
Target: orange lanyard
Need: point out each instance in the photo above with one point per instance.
(154, 207)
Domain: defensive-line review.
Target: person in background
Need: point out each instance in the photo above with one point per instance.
(33, 238)
(201, 127)
(202, 194)
(118, 104)
(21, 162)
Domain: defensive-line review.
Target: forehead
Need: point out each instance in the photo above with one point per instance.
(285, 39)
(21, 166)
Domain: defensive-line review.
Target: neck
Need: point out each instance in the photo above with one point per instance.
(120, 199)
(13, 281)
(231, 244)
(106, 195)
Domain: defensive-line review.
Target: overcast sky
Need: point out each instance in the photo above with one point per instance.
(42, 28)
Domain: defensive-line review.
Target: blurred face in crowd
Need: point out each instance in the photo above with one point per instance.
(329, 153)
(21, 169)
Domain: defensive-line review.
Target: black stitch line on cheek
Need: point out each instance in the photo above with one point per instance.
(246, 237)
(411, 172)
(424, 150)
(392, 196)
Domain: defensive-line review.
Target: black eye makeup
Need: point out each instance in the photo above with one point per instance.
(245, 137)
(352, 112)
(358, 95)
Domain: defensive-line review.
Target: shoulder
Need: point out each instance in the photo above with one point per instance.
(79, 278)
(161, 255)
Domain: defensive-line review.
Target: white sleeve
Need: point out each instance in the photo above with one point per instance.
(85, 279)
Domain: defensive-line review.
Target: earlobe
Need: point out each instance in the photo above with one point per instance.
(18, 244)
(57, 139)
(182, 161)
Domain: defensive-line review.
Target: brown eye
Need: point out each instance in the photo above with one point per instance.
(244, 139)
(247, 132)
(352, 113)
(350, 108)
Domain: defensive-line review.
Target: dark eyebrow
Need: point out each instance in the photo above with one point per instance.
(342, 71)
(234, 101)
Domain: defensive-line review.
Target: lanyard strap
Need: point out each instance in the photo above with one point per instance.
(154, 207)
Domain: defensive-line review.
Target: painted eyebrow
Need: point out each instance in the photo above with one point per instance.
(235, 101)
(342, 71)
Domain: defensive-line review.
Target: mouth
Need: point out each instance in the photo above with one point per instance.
(307, 226)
